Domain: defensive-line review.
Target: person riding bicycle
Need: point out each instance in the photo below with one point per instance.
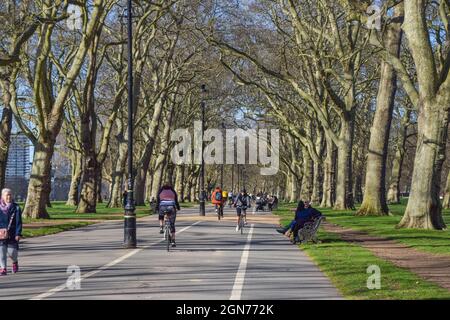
(230, 198)
(224, 195)
(242, 203)
(167, 197)
(218, 200)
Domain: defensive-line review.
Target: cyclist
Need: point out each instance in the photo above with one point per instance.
(167, 196)
(241, 204)
(224, 195)
(217, 200)
(230, 198)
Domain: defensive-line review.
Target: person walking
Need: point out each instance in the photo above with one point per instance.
(10, 231)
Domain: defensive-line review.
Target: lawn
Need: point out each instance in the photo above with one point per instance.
(433, 241)
(64, 218)
(346, 263)
(188, 204)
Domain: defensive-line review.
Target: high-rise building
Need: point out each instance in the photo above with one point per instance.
(18, 167)
(18, 164)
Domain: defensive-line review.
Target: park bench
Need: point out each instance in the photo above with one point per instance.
(309, 231)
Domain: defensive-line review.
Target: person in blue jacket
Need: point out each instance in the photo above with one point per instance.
(298, 214)
(304, 213)
(11, 220)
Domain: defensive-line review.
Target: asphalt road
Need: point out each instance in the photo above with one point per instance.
(211, 261)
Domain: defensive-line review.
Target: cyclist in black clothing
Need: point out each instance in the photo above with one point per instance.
(241, 204)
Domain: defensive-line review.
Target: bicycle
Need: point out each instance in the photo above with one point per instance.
(242, 219)
(219, 211)
(167, 211)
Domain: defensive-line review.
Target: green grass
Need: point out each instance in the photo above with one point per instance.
(44, 231)
(59, 211)
(64, 218)
(434, 241)
(346, 264)
(188, 204)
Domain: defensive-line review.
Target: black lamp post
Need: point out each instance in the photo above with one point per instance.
(202, 196)
(130, 215)
(221, 166)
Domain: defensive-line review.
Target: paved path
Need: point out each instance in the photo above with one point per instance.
(211, 261)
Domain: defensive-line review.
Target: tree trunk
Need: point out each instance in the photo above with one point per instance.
(424, 207)
(99, 185)
(374, 202)
(393, 195)
(49, 183)
(307, 180)
(183, 183)
(344, 194)
(327, 198)
(72, 197)
(88, 194)
(179, 184)
(189, 187)
(357, 189)
(5, 132)
(287, 187)
(157, 177)
(38, 187)
(316, 191)
(446, 201)
(148, 186)
(142, 168)
(195, 188)
(115, 200)
(293, 188)
(169, 172)
(161, 161)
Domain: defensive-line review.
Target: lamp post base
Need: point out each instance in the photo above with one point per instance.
(129, 241)
(202, 208)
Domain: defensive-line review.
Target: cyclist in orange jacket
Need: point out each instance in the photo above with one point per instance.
(218, 201)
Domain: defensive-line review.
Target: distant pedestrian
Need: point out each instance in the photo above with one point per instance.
(10, 231)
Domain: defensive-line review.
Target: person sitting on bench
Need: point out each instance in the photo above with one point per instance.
(308, 214)
(291, 225)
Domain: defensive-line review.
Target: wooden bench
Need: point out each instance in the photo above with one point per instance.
(309, 231)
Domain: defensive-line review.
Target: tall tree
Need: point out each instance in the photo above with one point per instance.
(374, 202)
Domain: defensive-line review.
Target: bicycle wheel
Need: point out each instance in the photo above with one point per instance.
(241, 225)
(168, 240)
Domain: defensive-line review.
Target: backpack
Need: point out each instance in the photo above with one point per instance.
(218, 196)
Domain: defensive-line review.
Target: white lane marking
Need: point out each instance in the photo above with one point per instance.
(240, 275)
(104, 267)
